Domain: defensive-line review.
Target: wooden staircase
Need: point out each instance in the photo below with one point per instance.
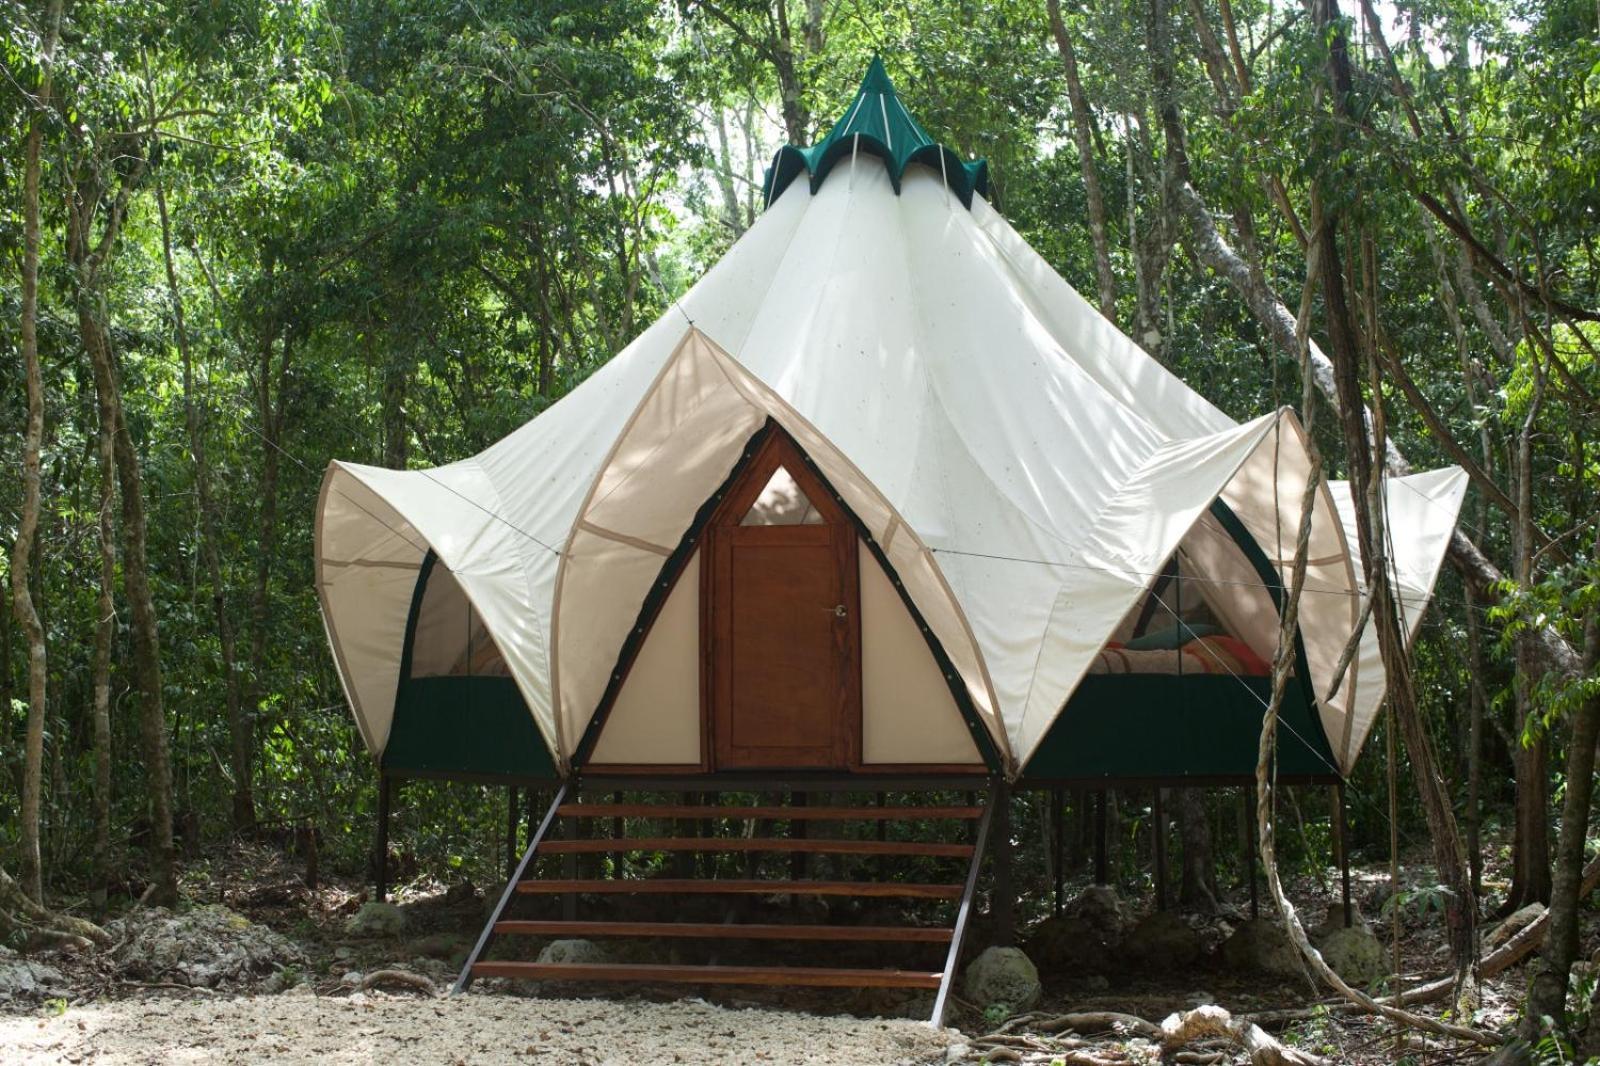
(619, 838)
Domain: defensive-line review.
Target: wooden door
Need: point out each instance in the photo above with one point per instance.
(781, 611)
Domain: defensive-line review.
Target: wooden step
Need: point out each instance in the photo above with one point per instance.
(793, 844)
(675, 886)
(783, 814)
(789, 976)
(729, 931)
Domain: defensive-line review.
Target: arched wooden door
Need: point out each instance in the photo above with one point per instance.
(781, 620)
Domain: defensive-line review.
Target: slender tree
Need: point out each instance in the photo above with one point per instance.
(1365, 468)
(1083, 140)
(98, 200)
(22, 561)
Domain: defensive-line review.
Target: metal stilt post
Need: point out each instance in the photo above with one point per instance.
(381, 858)
(1160, 849)
(1101, 874)
(1057, 849)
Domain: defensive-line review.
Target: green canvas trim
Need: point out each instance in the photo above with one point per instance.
(877, 123)
(469, 725)
(1143, 726)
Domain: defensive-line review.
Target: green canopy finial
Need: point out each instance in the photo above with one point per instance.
(877, 123)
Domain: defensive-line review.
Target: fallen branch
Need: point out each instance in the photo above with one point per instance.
(1065, 1056)
(176, 986)
(398, 977)
(1085, 1022)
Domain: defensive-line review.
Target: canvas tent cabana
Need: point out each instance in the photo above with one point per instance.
(1017, 469)
(880, 494)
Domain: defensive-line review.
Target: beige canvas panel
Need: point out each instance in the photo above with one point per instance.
(1133, 536)
(656, 717)
(917, 569)
(678, 449)
(1215, 567)
(1266, 496)
(610, 580)
(675, 452)
(364, 609)
(440, 639)
(907, 712)
(1421, 510)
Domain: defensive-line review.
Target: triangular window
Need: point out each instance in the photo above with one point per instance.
(782, 503)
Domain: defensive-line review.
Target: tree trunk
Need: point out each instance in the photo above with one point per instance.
(105, 634)
(270, 409)
(1198, 891)
(1079, 831)
(1547, 994)
(28, 528)
(796, 120)
(1344, 346)
(1478, 703)
(747, 129)
(241, 743)
(14, 901)
(1152, 249)
(732, 217)
(1147, 245)
(141, 600)
(1082, 120)
(395, 436)
(1530, 840)
(87, 255)
(1531, 843)
(815, 25)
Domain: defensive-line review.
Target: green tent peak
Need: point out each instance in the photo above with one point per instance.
(877, 79)
(877, 123)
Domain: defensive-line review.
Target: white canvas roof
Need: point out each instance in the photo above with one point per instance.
(1025, 467)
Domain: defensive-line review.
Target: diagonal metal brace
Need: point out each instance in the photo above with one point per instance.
(487, 935)
(953, 959)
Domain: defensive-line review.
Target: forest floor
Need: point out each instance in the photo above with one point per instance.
(320, 1007)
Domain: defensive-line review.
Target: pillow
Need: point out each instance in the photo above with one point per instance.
(1171, 637)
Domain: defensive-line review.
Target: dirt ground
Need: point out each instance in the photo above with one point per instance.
(364, 1028)
(311, 1011)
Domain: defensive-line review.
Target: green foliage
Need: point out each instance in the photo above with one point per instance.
(400, 229)
(1423, 904)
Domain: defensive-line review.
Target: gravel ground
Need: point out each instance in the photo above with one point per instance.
(378, 1028)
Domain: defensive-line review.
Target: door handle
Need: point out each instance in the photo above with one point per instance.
(839, 611)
